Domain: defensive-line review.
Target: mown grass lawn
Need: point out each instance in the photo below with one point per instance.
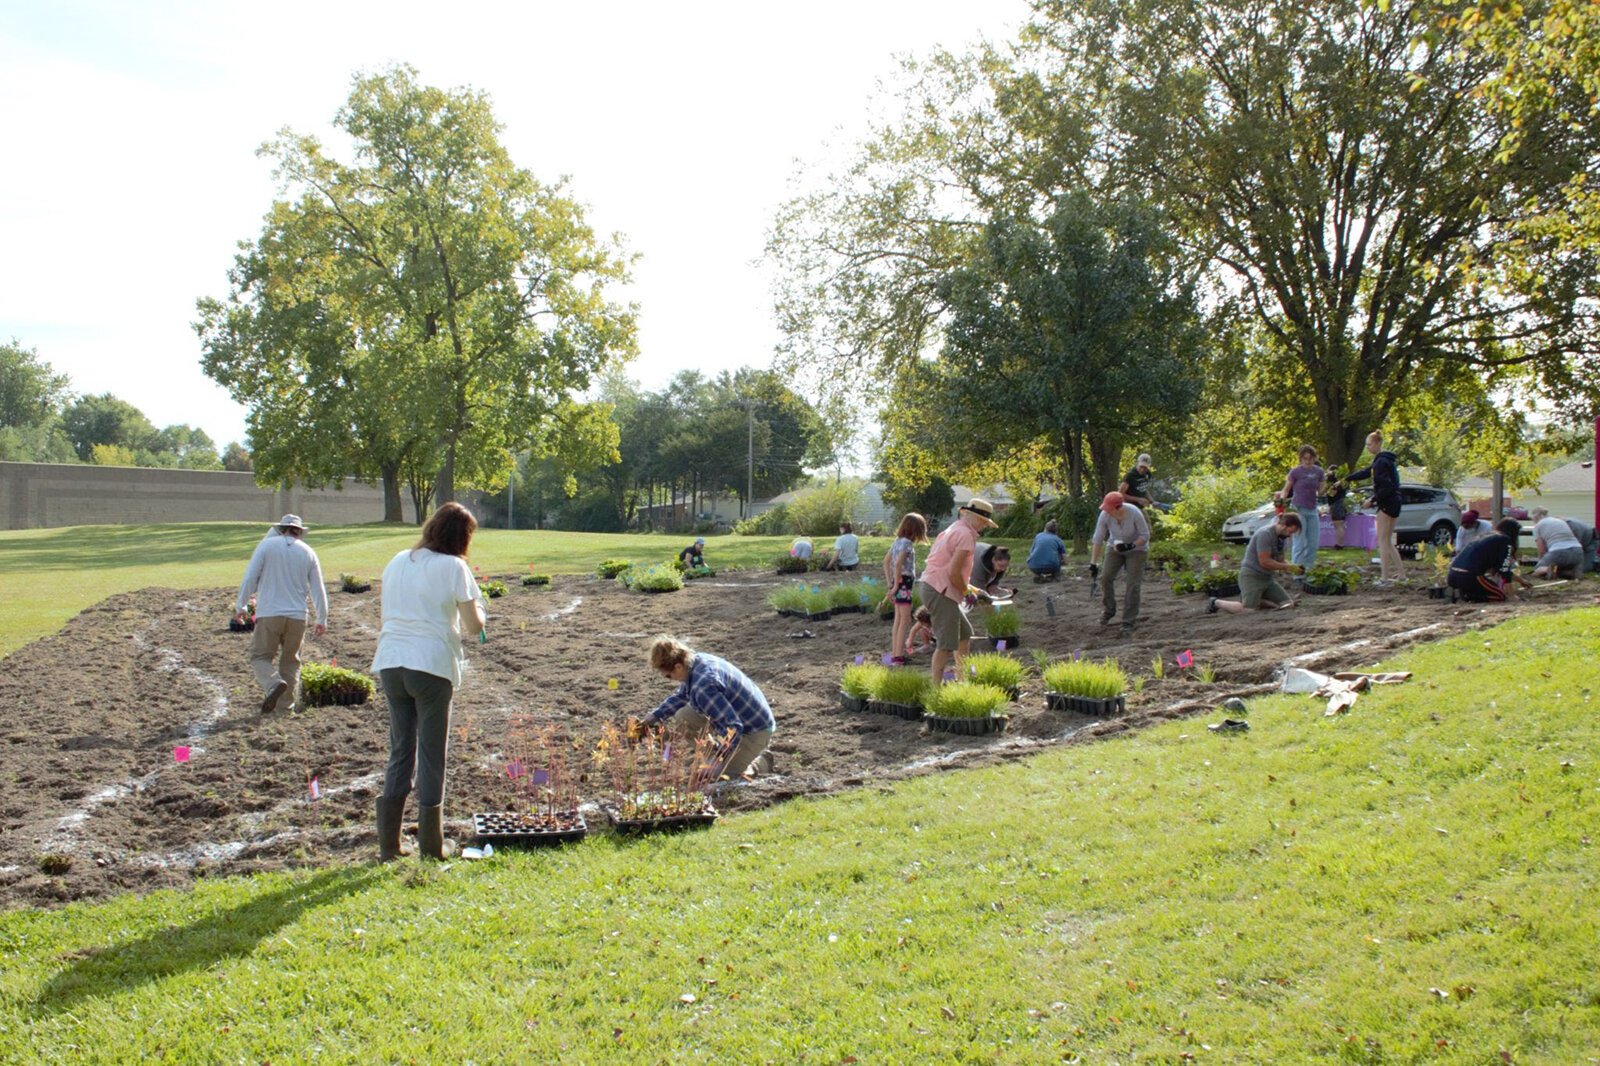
(1415, 882)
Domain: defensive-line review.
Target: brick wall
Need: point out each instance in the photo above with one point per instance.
(44, 495)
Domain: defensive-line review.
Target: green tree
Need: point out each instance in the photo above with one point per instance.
(431, 303)
(104, 419)
(1343, 177)
(1079, 332)
(31, 392)
(236, 457)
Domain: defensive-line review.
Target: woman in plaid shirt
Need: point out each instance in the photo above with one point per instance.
(713, 696)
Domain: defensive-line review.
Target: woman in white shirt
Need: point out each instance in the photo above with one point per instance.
(430, 601)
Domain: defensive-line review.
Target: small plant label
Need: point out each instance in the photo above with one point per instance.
(180, 754)
(949, 675)
(888, 660)
(612, 684)
(314, 789)
(515, 769)
(1000, 645)
(860, 659)
(540, 777)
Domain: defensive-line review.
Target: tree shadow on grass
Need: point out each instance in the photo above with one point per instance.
(111, 547)
(174, 950)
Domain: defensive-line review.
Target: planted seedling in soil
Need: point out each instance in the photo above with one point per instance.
(535, 579)
(1003, 623)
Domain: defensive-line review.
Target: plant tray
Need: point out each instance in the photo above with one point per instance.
(516, 829)
(1311, 590)
(971, 727)
(365, 586)
(1100, 708)
(339, 699)
(1223, 591)
(1438, 592)
(854, 704)
(241, 627)
(675, 824)
(816, 616)
(909, 711)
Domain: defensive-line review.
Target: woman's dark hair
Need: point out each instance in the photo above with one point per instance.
(449, 531)
(1306, 449)
(913, 527)
(846, 527)
(996, 551)
(1289, 518)
(1510, 527)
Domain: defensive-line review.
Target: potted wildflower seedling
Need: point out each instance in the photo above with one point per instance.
(1442, 557)
(965, 707)
(856, 685)
(1004, 623)
(249, 623)
(493, 589)
(995, 670)
(1330, 580)
(530, 580)
(789, 564)
(1086, 687)
(543, 774)
(845, 598)
(352, 583)
(1219, 582)
(610, 568)
(657, 784)
(900, 692)
(322, 686)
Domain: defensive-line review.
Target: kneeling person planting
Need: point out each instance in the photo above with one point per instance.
(1485, 571)
(1263, 557)
(715, 697)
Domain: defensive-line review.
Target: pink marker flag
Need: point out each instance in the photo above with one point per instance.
(335, 662)
(1000, 645)
(515, 769)
(666, 752)
(180, 754)
(1185, 659)
(860, 659)
(314, 789)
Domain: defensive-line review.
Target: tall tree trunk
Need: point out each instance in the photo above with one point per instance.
(444, 489)
(1107, 456)
(392, 511)
(1074, 449)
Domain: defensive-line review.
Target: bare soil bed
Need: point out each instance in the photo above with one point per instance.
(92, 801)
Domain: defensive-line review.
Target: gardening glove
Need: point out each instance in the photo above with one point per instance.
(1094, 569)
(636, 729)
(1296, 568)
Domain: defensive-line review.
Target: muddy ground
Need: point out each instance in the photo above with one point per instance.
(91, 715)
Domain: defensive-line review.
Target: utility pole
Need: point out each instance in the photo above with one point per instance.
(750, 456)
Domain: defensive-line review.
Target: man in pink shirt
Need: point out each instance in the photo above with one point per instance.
(945, 581)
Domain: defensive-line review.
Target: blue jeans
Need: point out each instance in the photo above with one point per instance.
(1304, 550)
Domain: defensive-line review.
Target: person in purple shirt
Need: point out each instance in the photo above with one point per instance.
(1300, 490)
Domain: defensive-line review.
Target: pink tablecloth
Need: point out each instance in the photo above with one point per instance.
(1360, 531)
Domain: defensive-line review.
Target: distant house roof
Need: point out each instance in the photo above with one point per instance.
(1574, 477)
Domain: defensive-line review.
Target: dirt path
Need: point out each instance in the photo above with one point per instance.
(93, 713)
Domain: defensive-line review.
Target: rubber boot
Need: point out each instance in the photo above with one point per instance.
(430, 832)
(390, 814)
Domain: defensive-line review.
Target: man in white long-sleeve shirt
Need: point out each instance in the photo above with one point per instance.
(282, 573)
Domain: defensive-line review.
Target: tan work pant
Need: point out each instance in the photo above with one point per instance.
(689, 725)
(278, 638)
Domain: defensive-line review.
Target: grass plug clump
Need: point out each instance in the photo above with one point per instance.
(323, 686)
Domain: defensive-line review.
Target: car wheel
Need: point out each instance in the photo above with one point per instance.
(1442, 534)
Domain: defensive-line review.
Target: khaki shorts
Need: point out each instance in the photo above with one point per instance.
(1254, 587)
(949, 622)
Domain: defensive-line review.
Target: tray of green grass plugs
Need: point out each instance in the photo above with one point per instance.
(967, 708)
(1086, 687)
(900, 693)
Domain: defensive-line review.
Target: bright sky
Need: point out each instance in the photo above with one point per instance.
(131, 127)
